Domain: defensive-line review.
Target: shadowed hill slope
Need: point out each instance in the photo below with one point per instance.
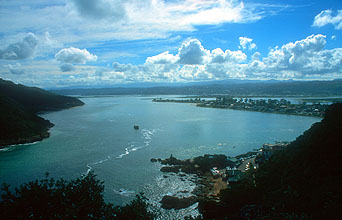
(18, 107)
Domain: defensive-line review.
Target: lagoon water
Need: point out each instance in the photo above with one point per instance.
(99, 136)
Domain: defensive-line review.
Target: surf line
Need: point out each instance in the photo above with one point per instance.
(146, 135)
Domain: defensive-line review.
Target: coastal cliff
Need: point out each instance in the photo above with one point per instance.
(19, 105)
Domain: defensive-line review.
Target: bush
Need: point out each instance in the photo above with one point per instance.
(81, 198)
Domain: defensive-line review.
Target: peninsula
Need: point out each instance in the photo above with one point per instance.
(279, 106)
(19, 106)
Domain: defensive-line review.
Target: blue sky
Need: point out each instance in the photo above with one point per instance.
(61, 43)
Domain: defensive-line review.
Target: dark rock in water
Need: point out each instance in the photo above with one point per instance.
(181, 174)
(184, 191)
(154, 160)
(171, 202)
(174, 169)
(165, 176)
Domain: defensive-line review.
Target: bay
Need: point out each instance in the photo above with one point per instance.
(99, 136)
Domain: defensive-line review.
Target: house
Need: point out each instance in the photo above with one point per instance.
(267, 150)
(234, 176)
(215, 172)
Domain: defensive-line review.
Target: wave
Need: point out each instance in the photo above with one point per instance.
(124, 154)
(146, 136)
(124, 192)
(13, 146)
(89, 169)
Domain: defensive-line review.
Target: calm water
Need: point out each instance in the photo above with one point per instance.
(99, 136)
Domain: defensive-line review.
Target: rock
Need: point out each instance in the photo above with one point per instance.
(171, 202)
(174, 169)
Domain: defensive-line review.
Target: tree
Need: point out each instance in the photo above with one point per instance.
(81, 198)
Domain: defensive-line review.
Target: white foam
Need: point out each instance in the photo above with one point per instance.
(124, 192)
(89, 169)
(11, 147)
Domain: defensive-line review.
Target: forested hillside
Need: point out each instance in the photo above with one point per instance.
(18, 108)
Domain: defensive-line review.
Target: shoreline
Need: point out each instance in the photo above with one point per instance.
(30, 140)
(38, 137)
(275, 106)
(213, 173)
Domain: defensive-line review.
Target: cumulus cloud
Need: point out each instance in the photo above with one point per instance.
(74, 55)
(296, 55)
(256, 56)
(101, 9)
(163, 58)
(246, 42)
(218, 56)
(329, 17)
(191, 52)
(67, 67)
(302, 58)
(20, 50)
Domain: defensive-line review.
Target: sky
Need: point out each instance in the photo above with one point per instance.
(103, 43)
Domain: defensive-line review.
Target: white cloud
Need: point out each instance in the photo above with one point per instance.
(305, 58)
(191, 52)
(90, 20)
(163, 58)
(74, 55)
(20, 50)
(67, 67)
(295, 55)
(329, 17)
(218, 56)
(246, 42)
(256, 56)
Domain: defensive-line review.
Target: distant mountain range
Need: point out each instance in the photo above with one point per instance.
(229, 87)
(18, 108)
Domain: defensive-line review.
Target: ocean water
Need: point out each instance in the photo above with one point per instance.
(99, 136)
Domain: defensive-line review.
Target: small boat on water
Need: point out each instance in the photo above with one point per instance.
(136, 127)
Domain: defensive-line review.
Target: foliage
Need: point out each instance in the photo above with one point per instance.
(81, 198)
(35, 99)
(18, 107)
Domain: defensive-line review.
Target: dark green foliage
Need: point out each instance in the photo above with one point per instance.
(136, 210)
(18, 107)
(81, 198)
(207, 162)
(36, 99)
(17, 125)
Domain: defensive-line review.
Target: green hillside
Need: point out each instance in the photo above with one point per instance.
(18, 107)
(36, 99)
